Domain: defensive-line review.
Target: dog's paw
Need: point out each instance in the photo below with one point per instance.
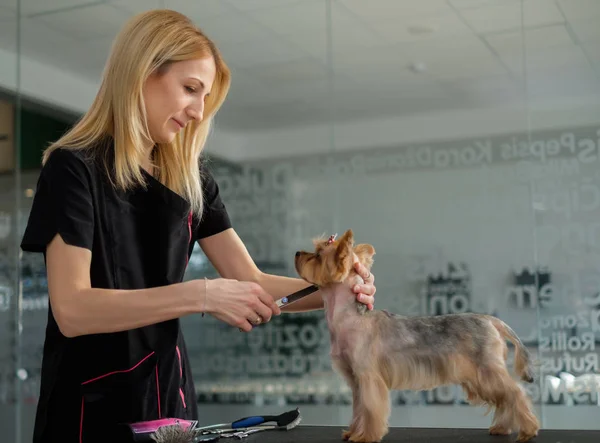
(499, 430)
(364, 439)
(361, 438)
(346, 435)
(526, 436)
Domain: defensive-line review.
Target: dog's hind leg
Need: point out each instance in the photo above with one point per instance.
(489, 388)
(525, 418)
(513, 410)
(501, 422)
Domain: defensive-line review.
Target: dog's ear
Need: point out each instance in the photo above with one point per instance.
(365, 253)
(347, 237)
(344, 255)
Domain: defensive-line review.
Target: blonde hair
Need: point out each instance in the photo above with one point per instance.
(148, 42)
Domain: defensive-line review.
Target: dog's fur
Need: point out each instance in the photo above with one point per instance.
(376, 351)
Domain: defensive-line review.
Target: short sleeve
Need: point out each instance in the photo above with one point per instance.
(62, 204)
(215, 218)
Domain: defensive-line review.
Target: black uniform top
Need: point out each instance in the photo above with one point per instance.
(139, 239)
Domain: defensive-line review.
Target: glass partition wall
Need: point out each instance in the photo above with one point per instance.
(562, 87)
(458, 137)
(10, 392)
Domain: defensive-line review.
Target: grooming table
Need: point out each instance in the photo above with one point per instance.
(333, 434)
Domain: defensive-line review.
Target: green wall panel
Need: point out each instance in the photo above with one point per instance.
(37, 132)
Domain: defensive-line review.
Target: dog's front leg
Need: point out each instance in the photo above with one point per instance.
(344, 369)
(371, 408)
(349, 434)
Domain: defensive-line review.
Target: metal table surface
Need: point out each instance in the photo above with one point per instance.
(333, 434)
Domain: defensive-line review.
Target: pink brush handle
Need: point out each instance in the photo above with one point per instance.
(144, 427)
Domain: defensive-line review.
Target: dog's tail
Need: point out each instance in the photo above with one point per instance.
(523, 364)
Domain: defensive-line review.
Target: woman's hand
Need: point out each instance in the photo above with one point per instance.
(239, 303)
(365, 293)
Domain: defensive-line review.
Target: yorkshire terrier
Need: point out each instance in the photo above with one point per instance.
(376, 351)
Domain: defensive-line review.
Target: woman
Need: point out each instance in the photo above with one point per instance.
(120, 201)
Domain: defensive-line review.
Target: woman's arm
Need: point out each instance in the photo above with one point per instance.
(231, 259)
(80, 309)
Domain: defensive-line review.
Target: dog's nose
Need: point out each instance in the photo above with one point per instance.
(298, 254)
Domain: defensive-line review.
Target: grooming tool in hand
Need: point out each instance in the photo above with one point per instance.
(292, 298)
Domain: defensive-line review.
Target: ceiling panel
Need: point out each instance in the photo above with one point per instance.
(487, 89)
(87, 23)
(458, 47)
(397, 91)
(348, 34)
(568, 80)
(390, 57)
(348, 105)
(297, 80)
(313, 43)
(31, 7)
(40, 42)
(516, 43)
(256, 52)
(198, 10)
(421, 27)
(136, 6)
(303, 17)
(246, 90)
(454, 58)
(385, 80)
(233, 28)
(467, 4)
(303, 70)
(400, 101)
(8, 35)
(592, 49)
(465, 68)
(546, 60)
(257, 117)
(579, 9)
(382, 10)
(391, 60)
(586, 30)
(251, 5)
(9, 4)
(504, 16)
(86, 58)
(6, 14)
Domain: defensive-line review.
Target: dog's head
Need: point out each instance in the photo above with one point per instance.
(332, 260)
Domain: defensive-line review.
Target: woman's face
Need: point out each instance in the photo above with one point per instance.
(175, 95)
